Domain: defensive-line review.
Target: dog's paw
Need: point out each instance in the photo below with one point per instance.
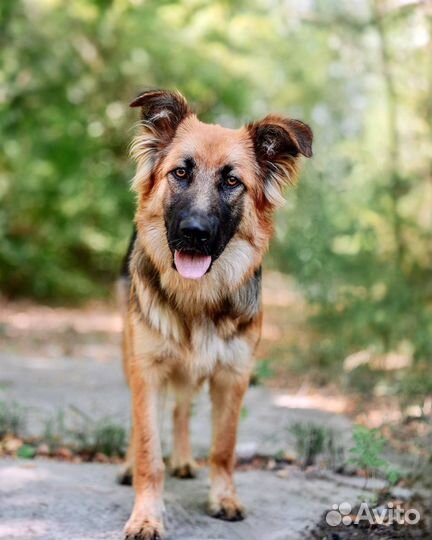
(228, 509)
(125, 476)
(147, 529)
(185, 471)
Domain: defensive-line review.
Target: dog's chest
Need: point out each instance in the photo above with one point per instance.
(201, 345)
(196, 337)
(196, 346)
(210, 347)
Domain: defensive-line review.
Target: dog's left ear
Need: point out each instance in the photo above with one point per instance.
(161, 114)
(278, 144)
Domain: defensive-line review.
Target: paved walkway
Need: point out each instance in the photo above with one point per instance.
(97, 389)
(48, 500)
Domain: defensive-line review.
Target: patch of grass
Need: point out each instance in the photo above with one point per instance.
(262, 372)
(312, 440)
(12, 418)
(89, 437)
(368, 454)
(86, 441)
(110, 439)
(367, 450)
(55, 431)
(105, 437)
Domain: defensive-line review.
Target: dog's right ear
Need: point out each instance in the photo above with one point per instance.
(161, 114)
(162, 111)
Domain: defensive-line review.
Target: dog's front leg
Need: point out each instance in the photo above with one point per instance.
(226, 390)
(146, 521)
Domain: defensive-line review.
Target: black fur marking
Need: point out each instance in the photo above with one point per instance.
(242, 306)
(148, 273)
(222, 216)
(225, 170)
(125, 270)
(189, 163)
(133, 300)
(125, 478)
(224, 515)
(247, 299)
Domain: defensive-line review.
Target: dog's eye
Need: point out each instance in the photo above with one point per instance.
(180, 173)
(232, 182)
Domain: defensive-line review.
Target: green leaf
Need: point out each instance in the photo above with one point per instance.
(26, 451)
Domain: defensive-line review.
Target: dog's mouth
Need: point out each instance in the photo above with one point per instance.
(191, 265)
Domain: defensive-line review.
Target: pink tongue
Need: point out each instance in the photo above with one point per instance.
(191, 266)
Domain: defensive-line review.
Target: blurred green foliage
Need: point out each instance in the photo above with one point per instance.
(12, 418)
(105, 437)
(68, 71)
(310, 441)
(368, 453)
(356, 233)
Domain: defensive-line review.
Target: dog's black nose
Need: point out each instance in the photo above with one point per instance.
(195, 229)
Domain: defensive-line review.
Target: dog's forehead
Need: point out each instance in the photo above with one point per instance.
(212, 146)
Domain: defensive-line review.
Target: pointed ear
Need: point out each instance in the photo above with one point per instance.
(161, 114)
(162, 111)
(278, 143)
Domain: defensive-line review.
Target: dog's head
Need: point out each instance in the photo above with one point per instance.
(202, 186)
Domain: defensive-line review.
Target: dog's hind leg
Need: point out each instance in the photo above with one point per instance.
(125, 476)
(226, 390)
(182, 464)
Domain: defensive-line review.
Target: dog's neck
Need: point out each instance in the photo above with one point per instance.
(191, 298)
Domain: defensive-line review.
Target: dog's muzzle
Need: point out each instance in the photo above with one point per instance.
(196, 234)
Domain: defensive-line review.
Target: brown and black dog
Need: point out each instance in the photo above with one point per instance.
(206, 197)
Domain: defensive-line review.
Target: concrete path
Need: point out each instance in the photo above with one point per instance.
(46, 500)
(97, 389)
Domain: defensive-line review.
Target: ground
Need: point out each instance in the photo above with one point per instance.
(50, 500)
(65, 364)
(44, 499)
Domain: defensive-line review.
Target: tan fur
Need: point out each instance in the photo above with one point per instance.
(182, 337)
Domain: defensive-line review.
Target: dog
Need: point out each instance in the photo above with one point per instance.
(206, 196)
